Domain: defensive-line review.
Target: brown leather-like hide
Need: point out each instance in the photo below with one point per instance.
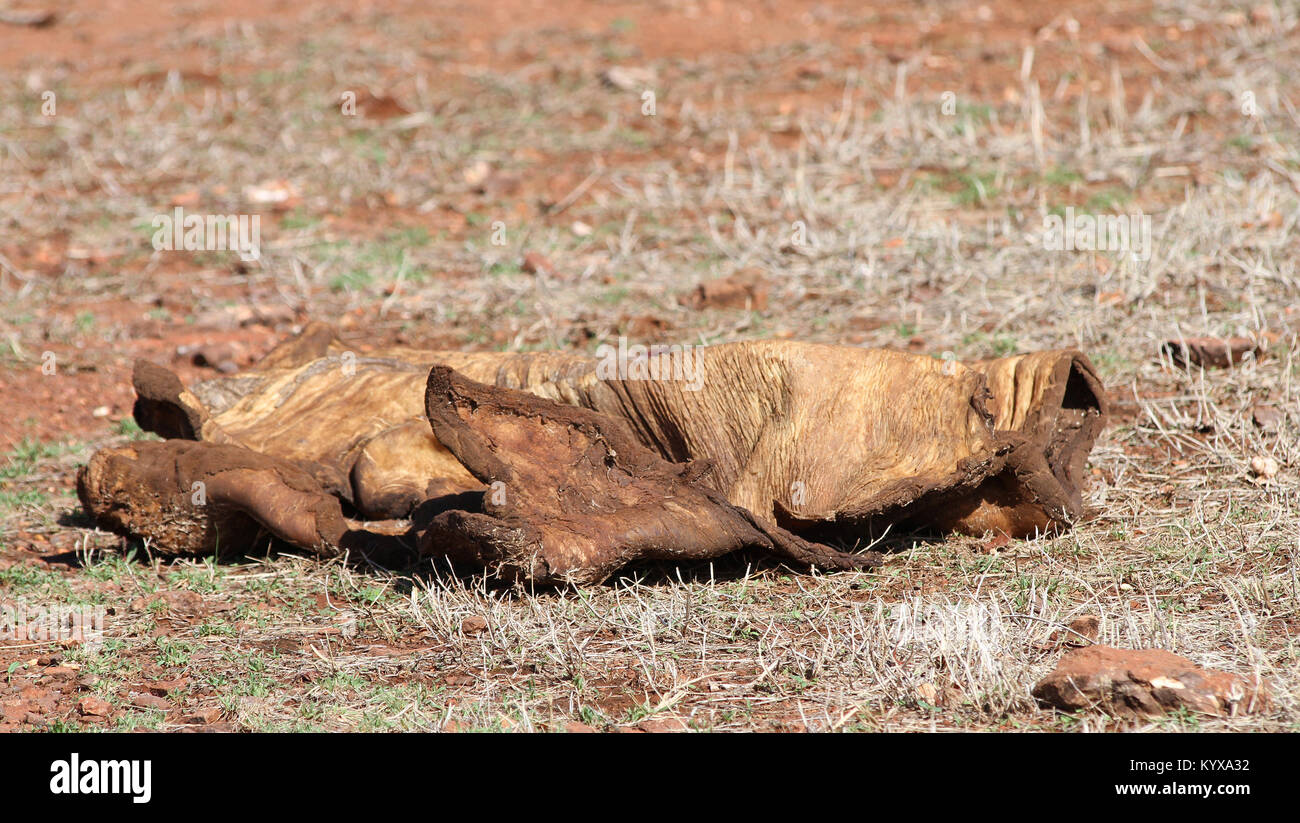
(763, 438)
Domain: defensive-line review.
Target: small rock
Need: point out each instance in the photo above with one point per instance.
(811, 71)
(1266, 417)
(92, 706)
(661, 725)
(1211, 352)
(476, 173)
(862, 322)
(187, 199)
(998, 541)
(271, 193)
(101, 411)
(36, 18)
(144, 700)
(928, 693)
(244, 314)
(536, 263)
(645, 326)
(627, 78)
(211, 728)
(1265, 468)
(574, 727)
(202, 717)
(220, 356)
(1084, 629)
(738, 291)
(500, 184)
(1144, 683)
(378, 105)
(473, 625)
(162, 688)
(580, 229)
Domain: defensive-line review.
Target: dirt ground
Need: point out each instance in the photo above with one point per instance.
(917, 146)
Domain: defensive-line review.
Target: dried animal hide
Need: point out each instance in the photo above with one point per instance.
(572, 497)
(821, 440)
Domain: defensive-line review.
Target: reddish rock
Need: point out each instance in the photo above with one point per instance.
(39, 700)
(864, 323)
(998, 541)
(161, 688)
(1211, 352)
(645, 326)
(656, 725)
(203, 717)
(1144, 683)
(745, 290)
(1084, 630)
(474, 625)
(536, 263)
(92, 706)
(150, 701)
(379, 106)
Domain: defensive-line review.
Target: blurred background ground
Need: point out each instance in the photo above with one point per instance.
(917, 145)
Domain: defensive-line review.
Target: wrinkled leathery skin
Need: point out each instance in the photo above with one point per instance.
(825, 441)
(821, 439)
(577, 499)
(1054, 406)
(190, 497)
(573, 496)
